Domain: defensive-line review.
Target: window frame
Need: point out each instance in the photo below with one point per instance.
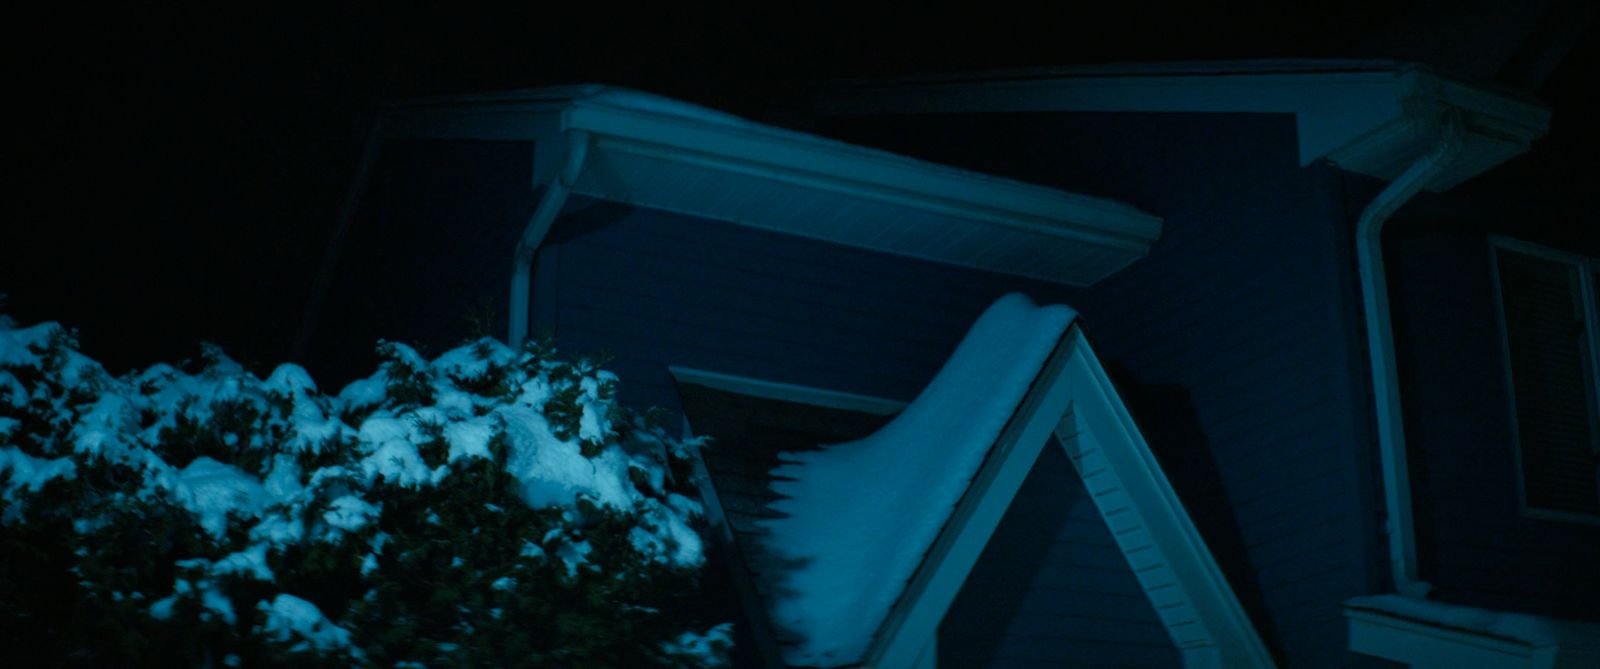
(1587, 268)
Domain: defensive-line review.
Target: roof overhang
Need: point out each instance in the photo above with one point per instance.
(1071, 399)
(1369, 117)
(664, 154)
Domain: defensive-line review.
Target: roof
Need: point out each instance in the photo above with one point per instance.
(881, 532)
(857, 518)
(656, 152)
(1367, 116)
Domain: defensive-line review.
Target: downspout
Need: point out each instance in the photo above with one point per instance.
(1380, 343)
(555, 197)
(341, 230)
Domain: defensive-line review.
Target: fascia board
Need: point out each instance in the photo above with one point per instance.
(632, 133)
(1436, 647)
(1203, 616)
(1221, 93)
(1080, 406)
(828, 165)
(1366, 120)
(786, 392)
(914, 621)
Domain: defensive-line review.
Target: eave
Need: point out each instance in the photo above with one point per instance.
(663, 154)
(1369, 117)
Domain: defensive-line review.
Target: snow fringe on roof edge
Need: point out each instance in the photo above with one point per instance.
(860, 515)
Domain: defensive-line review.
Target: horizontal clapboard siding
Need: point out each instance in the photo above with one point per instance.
(652, 288)
(1235, 342)
(1476, 545)
(1052, 589)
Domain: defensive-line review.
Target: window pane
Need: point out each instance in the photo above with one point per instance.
(1549, 369)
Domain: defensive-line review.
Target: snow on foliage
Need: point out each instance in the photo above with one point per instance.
(860, 515)
(487, 507)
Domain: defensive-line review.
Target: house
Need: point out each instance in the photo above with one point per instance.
(1326, 434)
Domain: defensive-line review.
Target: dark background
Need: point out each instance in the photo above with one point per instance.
(177, 167)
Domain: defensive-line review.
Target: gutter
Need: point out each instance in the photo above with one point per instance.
(550, 204)
(1380, 344)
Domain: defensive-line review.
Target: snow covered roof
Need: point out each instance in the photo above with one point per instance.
(1367, 116)
(861, 515)
(878, 534)
(666, 154)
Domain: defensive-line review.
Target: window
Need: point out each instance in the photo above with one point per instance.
(1551, 333)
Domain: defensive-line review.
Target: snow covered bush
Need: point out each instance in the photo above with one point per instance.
(490, 507)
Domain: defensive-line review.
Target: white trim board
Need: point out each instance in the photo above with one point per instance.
(786, 392)
(664, 154)
(1367, 117)
(1414, 632)
(1584, 269)
(1073, 400)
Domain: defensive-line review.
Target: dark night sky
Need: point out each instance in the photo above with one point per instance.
(182, 164)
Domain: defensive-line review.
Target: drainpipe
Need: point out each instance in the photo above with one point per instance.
(555, 196)
(1380, 343)
(341, 230)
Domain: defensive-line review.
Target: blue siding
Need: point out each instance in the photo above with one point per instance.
(1236, 342)
(1233, 342)
(654, 289)
(1476, 545)
(1052, 589)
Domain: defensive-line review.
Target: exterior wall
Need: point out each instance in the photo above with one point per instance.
(1477, 546)
(1052, 589)
(651, 289)
(1236, 342)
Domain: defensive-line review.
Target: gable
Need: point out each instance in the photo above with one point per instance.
(1052, 589)
(1068, 397)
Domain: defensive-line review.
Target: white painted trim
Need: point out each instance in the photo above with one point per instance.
(1365, 117)
(1191, 595)
(1073, 399)
(1585, 268)
(831, 165)
(1427, 646)
(786, 392)
(635, 129)
(913, 623)
(544, 216)
(1378, 319)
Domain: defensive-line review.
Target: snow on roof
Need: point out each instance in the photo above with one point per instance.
(861, 515)
(1533, 630)
(654, 152)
